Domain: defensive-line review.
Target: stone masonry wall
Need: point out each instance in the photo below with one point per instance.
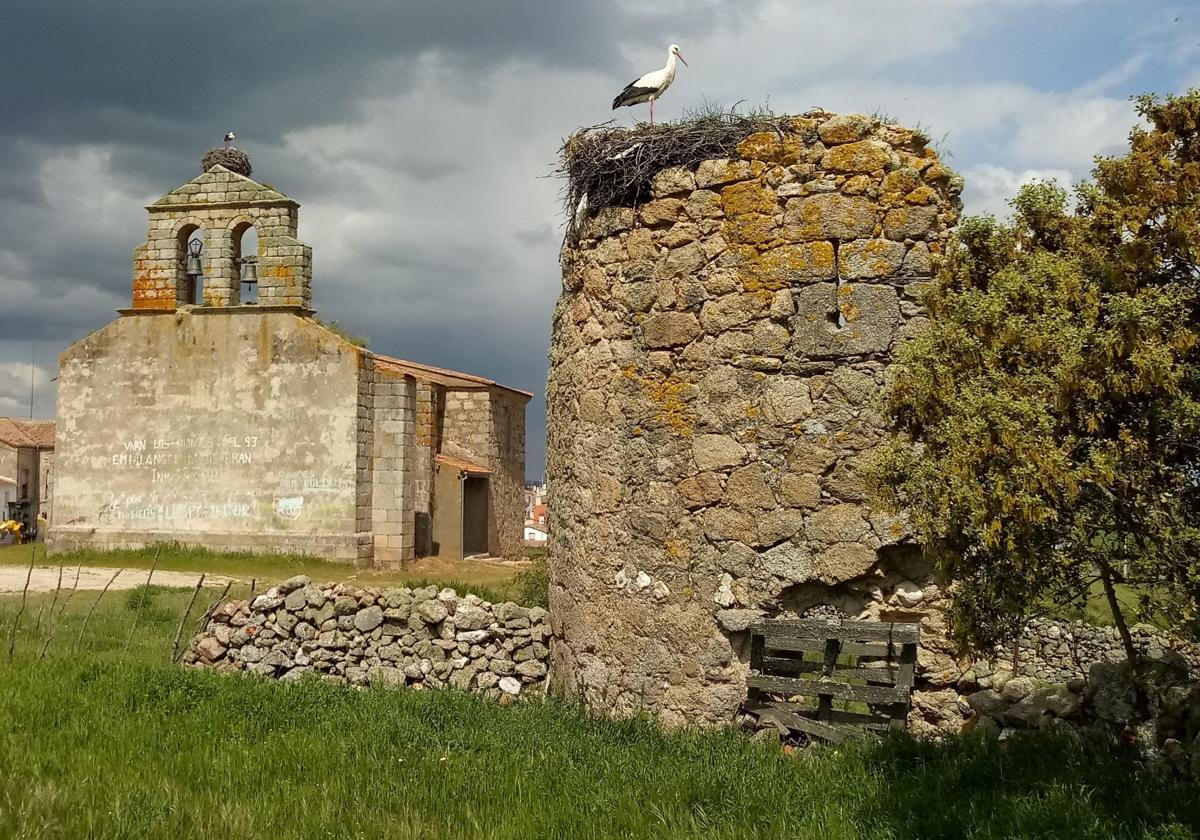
(715, 354)
(488, 427)
(430, 399)
(393, 452)
(507, 444)
(423, 638)
(233, 428)
(223, 205)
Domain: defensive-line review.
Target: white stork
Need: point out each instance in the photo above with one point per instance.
(652, 85)
(229, 138)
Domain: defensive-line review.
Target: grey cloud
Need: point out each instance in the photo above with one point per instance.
(535, 236)
(415, 134)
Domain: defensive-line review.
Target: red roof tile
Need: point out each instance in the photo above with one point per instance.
(442, 376)
(17, 432)
(461, 464)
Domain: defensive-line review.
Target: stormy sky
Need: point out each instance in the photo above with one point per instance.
(419, 136)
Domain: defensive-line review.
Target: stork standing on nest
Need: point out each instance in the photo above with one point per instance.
(652, 85)
(229, 138)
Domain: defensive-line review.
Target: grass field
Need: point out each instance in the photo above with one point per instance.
(104, 739)
(494, 581)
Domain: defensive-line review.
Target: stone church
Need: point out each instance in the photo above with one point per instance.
(219, 411)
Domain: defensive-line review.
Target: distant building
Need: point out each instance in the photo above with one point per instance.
(219, 411)
(26, 469)
(535, 494)
(535, 535)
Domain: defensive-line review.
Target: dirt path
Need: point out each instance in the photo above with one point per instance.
(45, 578)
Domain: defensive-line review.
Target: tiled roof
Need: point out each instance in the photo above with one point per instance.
(17, 432)
(461, 464)
(442, 376)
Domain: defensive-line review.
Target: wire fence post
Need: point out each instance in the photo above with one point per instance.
(56, 620)
(212, 608)
(183, 618)
(95, 604)
(12, 634)
(137, 618)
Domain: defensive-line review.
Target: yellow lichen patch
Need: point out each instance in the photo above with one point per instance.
(922, 196)
(668, 396)
(752, 412)
(896, 185)
(748, 197)
(936, 172)
(857, 185)
(780, 267)
(802, 125)
(749, 228)
(880, 257)
(863, 156)
(772, 148)
(677, 549)
(846, 304)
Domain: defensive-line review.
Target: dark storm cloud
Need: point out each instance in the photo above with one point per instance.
(417, 136)
(107, 105)
(278, 63)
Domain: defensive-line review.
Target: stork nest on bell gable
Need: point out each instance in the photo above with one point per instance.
(235, 160)
(607, 166)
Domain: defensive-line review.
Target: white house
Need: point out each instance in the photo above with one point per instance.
(535, 534)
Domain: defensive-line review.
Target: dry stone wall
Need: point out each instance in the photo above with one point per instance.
(422, 638)
(715, 355)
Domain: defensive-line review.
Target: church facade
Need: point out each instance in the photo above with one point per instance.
(219, 411)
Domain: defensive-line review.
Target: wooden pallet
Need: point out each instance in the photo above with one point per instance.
(801, 669)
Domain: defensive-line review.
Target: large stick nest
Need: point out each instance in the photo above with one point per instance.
(605, 166)
(235, 160)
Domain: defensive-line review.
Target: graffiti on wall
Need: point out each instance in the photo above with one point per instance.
(191, 481)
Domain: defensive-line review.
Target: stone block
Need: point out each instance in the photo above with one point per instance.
(845, 128)
(670, 329)
(717, 451)
(870, 259)
(829, 216)
(872, 315)
(863, 156)
(909, 222)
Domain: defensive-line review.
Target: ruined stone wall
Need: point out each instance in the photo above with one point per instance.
(232, 428)
(422, 638)
(714, 358)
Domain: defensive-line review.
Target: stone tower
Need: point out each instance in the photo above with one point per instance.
(223, 205)
(715, 354)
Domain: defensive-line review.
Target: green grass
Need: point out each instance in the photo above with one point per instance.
(104, 741)
(1137, 605)
(489, 581)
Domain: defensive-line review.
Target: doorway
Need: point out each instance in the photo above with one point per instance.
(475, 515)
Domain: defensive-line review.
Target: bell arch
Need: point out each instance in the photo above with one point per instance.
(189, 287)
(244, 241)
(241, 218)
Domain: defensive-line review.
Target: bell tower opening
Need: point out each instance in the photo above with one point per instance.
(189, 282)
(245, 259)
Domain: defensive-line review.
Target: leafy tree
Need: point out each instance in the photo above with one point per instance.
(1047, 424)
